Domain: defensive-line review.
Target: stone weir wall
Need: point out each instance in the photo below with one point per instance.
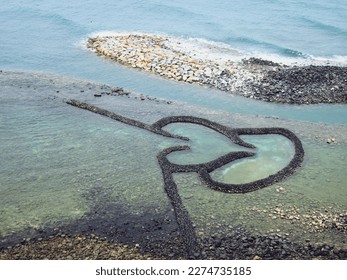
(254, 78)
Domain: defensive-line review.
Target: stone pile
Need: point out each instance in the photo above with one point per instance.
(307, 84)
(254, 78)
(157, 55)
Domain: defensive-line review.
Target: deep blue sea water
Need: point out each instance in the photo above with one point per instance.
(47, 36)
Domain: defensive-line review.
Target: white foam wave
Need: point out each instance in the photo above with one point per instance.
(205, 50)
(302, 61)
(124, 33)
(221, 52)
(338, 60)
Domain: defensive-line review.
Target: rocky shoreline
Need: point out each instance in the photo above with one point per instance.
(254, 78)
(77, 247)
(239, 244)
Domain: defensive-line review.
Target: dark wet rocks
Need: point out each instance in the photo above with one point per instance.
(117, 91)
(302, 85)
(112, 91)
(262, 62)
(238, 244)
(242, 245)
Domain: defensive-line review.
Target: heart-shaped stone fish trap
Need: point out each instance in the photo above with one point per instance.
(204, 169)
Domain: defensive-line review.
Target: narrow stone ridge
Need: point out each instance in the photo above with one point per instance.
(168, 169)
(254, 77)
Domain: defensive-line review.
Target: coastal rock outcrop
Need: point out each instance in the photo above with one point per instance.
(253, 77)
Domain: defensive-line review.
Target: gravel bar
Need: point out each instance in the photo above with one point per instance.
(252, 77)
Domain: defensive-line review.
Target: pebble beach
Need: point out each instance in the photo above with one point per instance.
(221, 67)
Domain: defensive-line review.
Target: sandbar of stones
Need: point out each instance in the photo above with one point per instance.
(253, 77)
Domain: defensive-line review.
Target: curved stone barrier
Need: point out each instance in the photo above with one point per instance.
(168, 169)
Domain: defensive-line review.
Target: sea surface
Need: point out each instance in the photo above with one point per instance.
(59, 163)
(49, 36)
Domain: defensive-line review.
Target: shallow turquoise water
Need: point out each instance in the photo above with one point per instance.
(58, 163)
(49, 163)
(272, 153)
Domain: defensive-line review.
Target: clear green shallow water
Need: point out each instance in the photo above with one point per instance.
(58, 162)
(272, 153)
(51, 157)
(316, 192)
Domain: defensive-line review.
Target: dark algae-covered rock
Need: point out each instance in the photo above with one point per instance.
(303, 85)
